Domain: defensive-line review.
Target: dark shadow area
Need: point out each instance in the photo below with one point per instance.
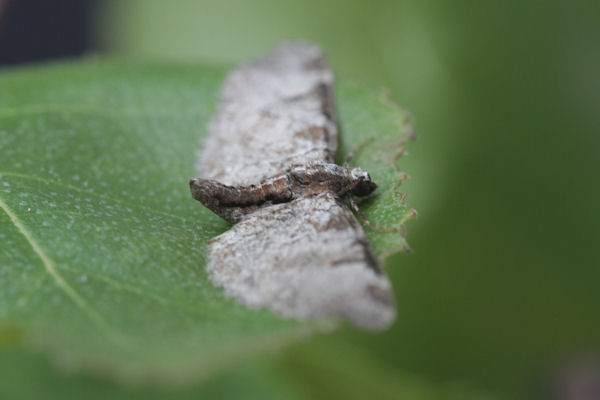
(38, 30)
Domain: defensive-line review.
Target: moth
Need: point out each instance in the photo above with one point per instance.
(268, 166)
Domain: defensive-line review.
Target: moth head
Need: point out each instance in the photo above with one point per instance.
(365, 185)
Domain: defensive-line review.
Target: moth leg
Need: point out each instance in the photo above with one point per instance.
(364, 219)
(352, 154)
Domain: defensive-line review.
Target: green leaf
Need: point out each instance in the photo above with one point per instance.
(324, 370)
(102, 257)
(377, 130)
(26, 376)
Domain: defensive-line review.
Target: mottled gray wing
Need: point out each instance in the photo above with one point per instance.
(274, 112)
(304, 259)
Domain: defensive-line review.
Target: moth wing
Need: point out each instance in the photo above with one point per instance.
(305, 259)
(274, 112)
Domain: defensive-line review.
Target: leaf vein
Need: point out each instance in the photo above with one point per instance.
(50, 268)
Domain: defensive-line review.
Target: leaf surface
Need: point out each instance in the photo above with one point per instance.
(102, 257)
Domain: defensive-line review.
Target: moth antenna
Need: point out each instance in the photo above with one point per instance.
(352, 154)
(364, 219)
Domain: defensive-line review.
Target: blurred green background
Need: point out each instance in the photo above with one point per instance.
(500, 295)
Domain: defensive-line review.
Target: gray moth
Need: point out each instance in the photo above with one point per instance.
(268, 166)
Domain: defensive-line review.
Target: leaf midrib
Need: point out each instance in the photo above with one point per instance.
(51, 269)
